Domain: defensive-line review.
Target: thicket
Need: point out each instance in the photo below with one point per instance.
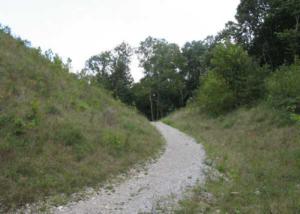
(215, 95)
(283, 89)
(234, 79)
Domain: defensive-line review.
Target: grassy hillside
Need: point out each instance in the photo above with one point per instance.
(57, 133)
(257, 150)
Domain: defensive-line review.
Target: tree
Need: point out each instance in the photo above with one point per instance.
(243, 76)
(144, 97)
(291, 37)
(215, 96)
(111, 71)
(120, 78)
(195, 53)
(163, 65)
(269, 30)
(101, 66)
(283, 88)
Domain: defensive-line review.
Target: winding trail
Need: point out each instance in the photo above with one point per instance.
(179, 167)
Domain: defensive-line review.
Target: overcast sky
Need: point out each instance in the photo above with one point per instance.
(81, 28)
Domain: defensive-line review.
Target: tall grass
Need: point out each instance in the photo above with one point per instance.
(257, 149)
(58, 134)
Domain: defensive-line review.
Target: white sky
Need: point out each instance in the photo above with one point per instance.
(81, 28)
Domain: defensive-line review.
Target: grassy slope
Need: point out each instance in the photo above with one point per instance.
(57, 133)
(256, 151)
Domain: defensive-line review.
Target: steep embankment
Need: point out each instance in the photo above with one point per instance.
(257, 150)
(58, 134)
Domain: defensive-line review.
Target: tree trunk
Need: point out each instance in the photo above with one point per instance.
(297, 23)
(157, 107)
(151, 106)
(181, 96)
(296, 35)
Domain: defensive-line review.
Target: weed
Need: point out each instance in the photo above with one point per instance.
(19, 126)
(166, 121)
(52, 109)
(4, 120)
(115, 142)
(70, 135)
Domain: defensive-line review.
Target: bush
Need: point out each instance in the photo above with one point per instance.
(114, 141)
(52, 109)
(283, 88)
(244, 77)
(19, 126)
(215, 96)
(70, 135)
(4, 120)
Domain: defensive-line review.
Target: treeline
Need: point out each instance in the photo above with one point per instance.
(251, 59)
(171, 74)
(255, 59)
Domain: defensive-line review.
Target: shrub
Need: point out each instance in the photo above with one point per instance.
(19, 126)
(52, 109)
(283, 88)
(70, 135)
(4, 119)
(243, 76)
(215, 96)
(34, 113)
(114, 141)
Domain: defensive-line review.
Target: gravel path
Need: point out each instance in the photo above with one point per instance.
(179, 167)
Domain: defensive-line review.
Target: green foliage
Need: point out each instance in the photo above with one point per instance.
(79, 105)
(111, 71)
(296, 118)
(52, 109)
(19, 126)
(269, 29)
(34, 113)
(69, 135)
(214, 95)
(4, 119)
(234, 80)
(163, 88)
(115, 142)
(244, 77)
(283, 88)
(171, 74)
(196, 54)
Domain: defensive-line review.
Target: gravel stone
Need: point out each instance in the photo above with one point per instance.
(180, 167)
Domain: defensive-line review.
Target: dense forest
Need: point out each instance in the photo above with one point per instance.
(250, 59)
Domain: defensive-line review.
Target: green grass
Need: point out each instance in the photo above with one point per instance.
(257, 149)
(58, 134)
